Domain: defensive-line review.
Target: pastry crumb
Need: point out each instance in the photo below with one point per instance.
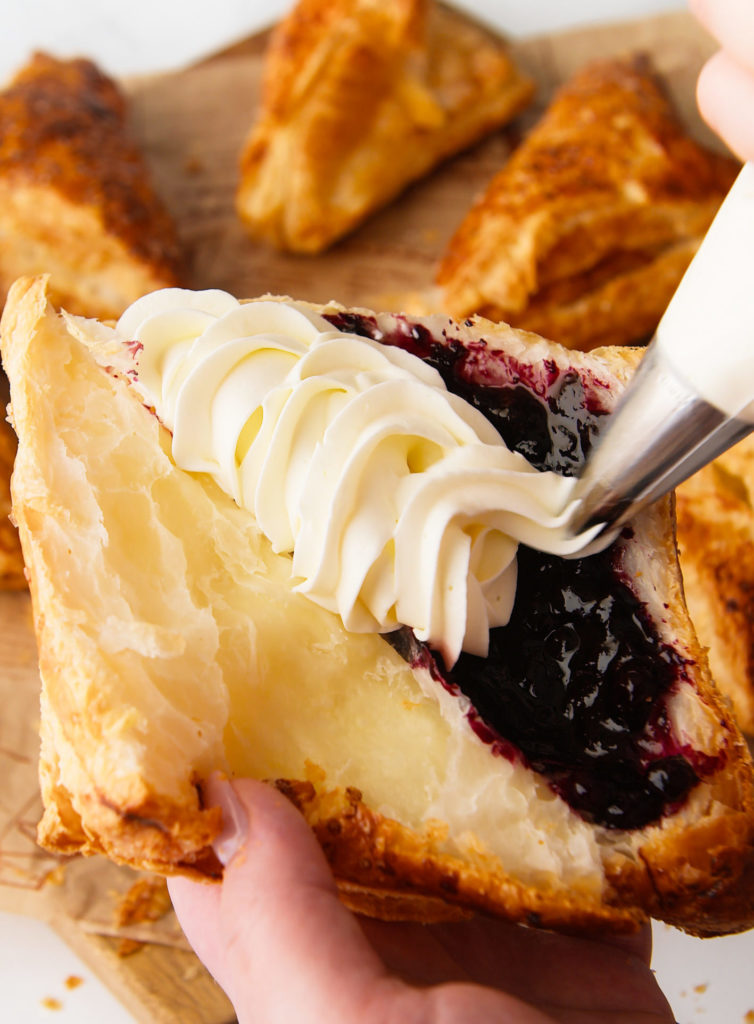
(700, 989)
(146, 900)
(127, 947)
(50, 1003)
(56, 876)
(73, 981)
(749, 1017)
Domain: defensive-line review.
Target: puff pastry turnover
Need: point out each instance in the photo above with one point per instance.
(361, 98)
(584, 234)
(582, 777)
(76, 199)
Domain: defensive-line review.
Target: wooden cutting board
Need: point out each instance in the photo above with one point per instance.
(192, 125)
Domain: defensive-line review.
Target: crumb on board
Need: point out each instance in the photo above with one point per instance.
(127, 947)
(749, 1018)
(56, 876)
(146, 900)
(73, 981)
(701, 989)
(50, 1003)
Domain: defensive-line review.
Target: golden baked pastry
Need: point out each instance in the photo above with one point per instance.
(359, 100)
(585, 233)
(610, 785)
(715, 510)
(76, 199)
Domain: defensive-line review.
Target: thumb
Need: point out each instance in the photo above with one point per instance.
(274, 934)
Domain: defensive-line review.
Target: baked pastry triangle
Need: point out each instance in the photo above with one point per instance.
(582, 776)
(584, 235)
(76, 198)
(359, 100)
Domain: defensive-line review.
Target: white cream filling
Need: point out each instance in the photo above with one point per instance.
(399, 501)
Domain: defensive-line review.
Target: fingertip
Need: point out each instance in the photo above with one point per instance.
(731, 23)
(725, 96)
(218, 791)
(261, 822)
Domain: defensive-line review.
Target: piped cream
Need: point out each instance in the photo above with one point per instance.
(400, 503)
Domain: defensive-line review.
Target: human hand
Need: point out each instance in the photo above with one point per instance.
(725, 90)
(277, 939)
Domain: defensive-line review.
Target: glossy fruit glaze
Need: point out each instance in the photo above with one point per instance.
(576, 684)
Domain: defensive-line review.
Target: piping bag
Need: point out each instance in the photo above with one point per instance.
(692, 396)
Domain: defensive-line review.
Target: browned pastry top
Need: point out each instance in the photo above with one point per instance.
(63, 126)
(610, 141)
(610, 125)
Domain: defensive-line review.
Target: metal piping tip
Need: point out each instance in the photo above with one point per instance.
(659, 435)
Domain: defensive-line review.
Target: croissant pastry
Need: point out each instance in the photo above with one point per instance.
(584, 235)
(583, 774)
(359, 100)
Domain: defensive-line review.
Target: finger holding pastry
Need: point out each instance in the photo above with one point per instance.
(279, 941)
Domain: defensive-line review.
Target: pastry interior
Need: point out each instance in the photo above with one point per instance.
(563, 783)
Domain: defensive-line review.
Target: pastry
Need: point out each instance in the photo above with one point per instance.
(585, 233)
(76, 199)
(715, 513)
(359, 100)
(581, 775)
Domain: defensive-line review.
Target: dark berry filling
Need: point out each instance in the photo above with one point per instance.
(576, 684)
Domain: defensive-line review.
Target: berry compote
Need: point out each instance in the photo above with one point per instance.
(576, 685)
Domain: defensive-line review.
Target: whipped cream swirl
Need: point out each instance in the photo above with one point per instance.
(399, 501)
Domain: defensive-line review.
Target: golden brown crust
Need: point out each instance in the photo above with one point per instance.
(619, 302)
(382, 860)
(129, 693)
(74, 183)
(716, 544)
(359, 100)
(593, 219)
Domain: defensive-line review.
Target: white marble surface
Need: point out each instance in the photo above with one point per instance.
(707, 982)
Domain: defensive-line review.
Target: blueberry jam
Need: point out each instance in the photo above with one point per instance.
(546, 414)
(575, 685)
